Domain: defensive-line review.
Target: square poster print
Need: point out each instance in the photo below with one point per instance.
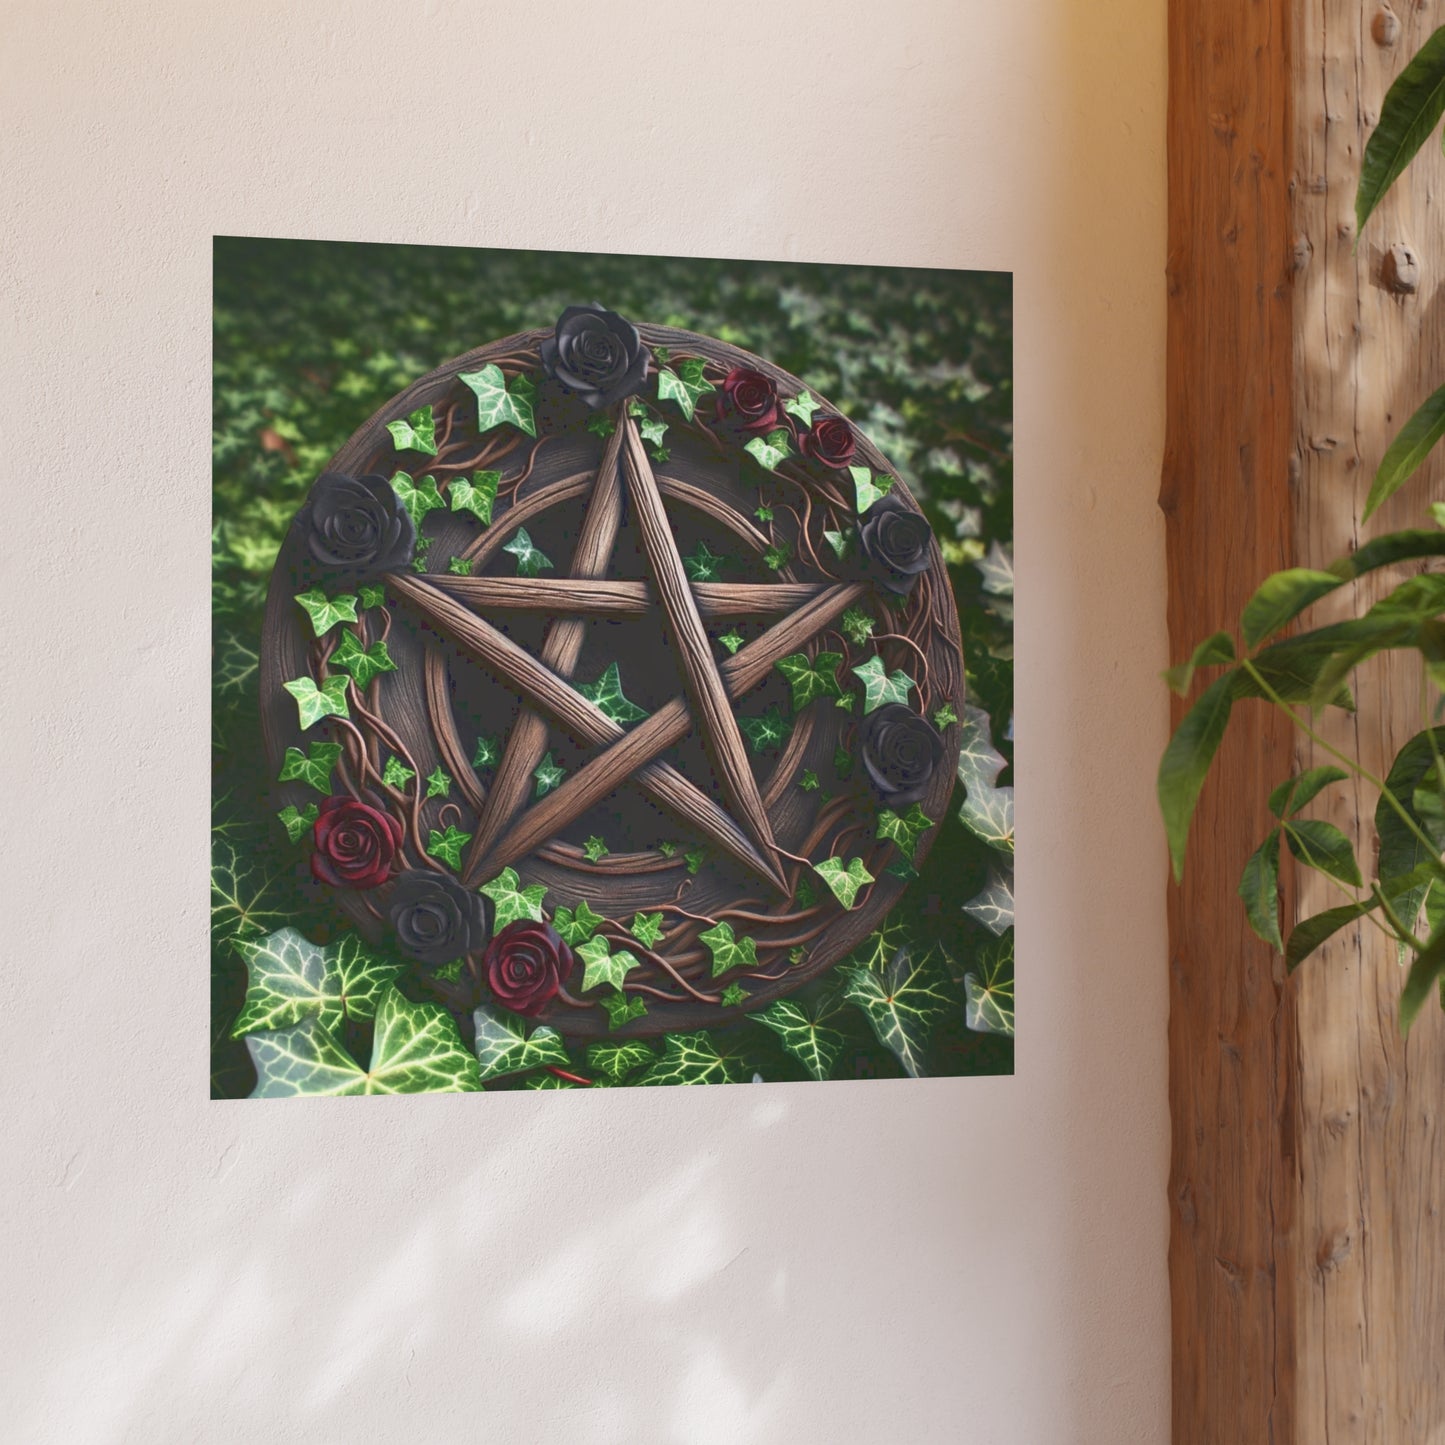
(613, 673)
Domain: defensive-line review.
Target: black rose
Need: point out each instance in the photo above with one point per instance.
(357, 525)
(895, 541)
(596, 353)
(900, 752)
(436, 920)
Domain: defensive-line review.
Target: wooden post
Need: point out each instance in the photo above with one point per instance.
(1307, 1252)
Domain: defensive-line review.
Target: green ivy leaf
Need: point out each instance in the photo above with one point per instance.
(997, 570)
(600, 424)
(867, 488)
(511, 901)
(653, 430)
(803, 1035)
(802, 406)
(603, 967)
(989, 992)
(777, 557)
(289, 978)
(616, 1060)
(448, 846)
(622, 1010)
(576, 926)
(763, 513)
(450, 972)
(415, 1050)
(844, 879)
(685, 385)
(488, 753)
(809, 781)
(857, 625)
(245, 897)
(548, 775)
(497, 403)
(732, 639)
(902, 1003)
(842, 761)
(809, 679)
(234, 666)
(1259, 888)
(325, 612)
(296, 823)
(768, 731)
(396, 774)
(530, 561)
(705, 565)
(879, 686)
(314, 769)
(904, 831)
(735, 996)
(945, 717)
(459, 567)
(695, 858)
(839, 542)
(363, 663)
(646, 928)
(770, 451)
(371, 596)
(418, 498)
(595, 850)
(693, 1059)
(503, 1045)
(979, 762)
(313, 703)
(668, 850)
(994, 905)
(439, 784)
(418, 433)
(607, 694)
(475, 496)
(728, 952)
(989, 812)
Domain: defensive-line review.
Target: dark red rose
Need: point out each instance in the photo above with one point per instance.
(525, 965)
(355, 844)
(749, 397)
(829, 440)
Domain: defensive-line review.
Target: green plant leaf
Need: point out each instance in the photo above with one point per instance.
(504, 1046)
(997, 570)
(857, 625)
(488, 753)
(313, 703)
(296, 823)
(1412, 107)
(979, 762)
(475, 496)
(600, 424)
(289, 978)
(622, 1010)
(763, 513)
(653, 429)
(1427, 969)
(1186, 760)
(418, 433)
(448, 846)
(459, 567)
(396, 774)
(809, 781)
(246, 897)
(1219, 648)
(1323, 847)
(594, 850)
(1401, 851)
(685, 385)
(905, 831)
(602, 967)
(809, 679)
(615, 1060)
(607, 693)
(801, 1031)
(693, 1059)
(1298, 792)
(325, 612)
(735, 996)
(839, 542)
(988, 812)
(945, 717)
(902, 1003)
(313, 767)
(1414, 442)
(1406, 546)
(994, 906)
(778, 556)
(438, 783)
(548, 774)
(732, 639)
(771, 451)
(576, 925)
(363, 663)
(530, 561)
(881, 687)
(867, 488)
(844, 879)
(801, 406)
(1309, 933)
(236, 663)
(728, 952)
(1279, 599)
(511, 901)
(498, 403)
(705, 565)
(371, 596)
(647, 928)
(418, 498)
(694, 858)
(989, 991)
(1259, 888)
(769, 730)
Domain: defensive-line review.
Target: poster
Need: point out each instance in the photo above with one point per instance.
(613, 671)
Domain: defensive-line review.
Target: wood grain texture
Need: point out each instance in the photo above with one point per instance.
(716, 601)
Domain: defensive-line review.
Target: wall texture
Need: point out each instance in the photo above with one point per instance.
(967, 1259)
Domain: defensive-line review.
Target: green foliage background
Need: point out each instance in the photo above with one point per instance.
(311, 337)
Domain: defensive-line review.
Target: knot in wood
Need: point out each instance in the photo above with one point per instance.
(1385, 27)
(1400, 270)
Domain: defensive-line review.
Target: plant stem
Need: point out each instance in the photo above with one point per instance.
(1403, 934)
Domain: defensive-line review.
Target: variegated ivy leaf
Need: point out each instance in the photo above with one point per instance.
(325, 612)
(867, 487)
(839, 542)
(705, 565)
(763, 513)
(313, 703)
(600, 424)
(989, 812)
(549, 1081)
(511, 901)
(504, 1046)
(801, 1030)
(694, 858)
(905, 831)
(728, 952)
(577, 925)
(460, 567)
(767, 731)
(989, 992)
(777, 556)
(809, 679)
(978, 760)
(418, 433)
(448, 846)
(902, 1003)
(548, 775)
(998, 571)
(602, 967)
(297, 822)
(607, 693)
(735, 996)
(438, 783)
(809, 781)
(235, 664)
(418, 498)
(363, 663)
(488, 753)
(500, 402)
(530, 561)
(770, 451)
(397, 774)
(732, 639)
(944, 717)
(371, 596)
(594, 849)
(694, 1059)
(857, 625)
(289, 978)
(994, 906)
(646, 928)
(685, 385)
(475, 496)
(246, 898)
(844, 879)
(802, 406)
(622, 1009)
(616, 1059)
(653, 429)
(880, 686)
(313, 767)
